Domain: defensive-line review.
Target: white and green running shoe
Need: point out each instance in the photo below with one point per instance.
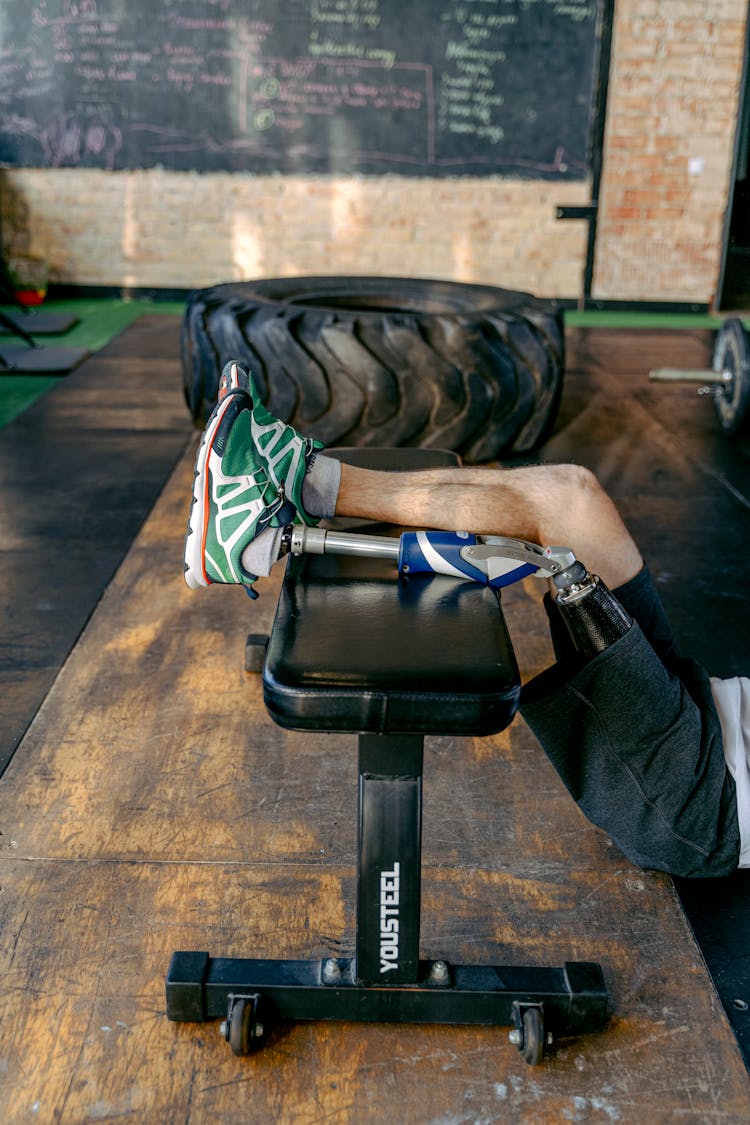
(286, 455)
(234, 499)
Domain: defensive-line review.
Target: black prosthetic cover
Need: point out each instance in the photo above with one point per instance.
(594, 619)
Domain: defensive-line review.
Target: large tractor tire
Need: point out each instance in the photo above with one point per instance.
(380, 361)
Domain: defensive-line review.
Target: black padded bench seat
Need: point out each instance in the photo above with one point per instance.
(356, 648)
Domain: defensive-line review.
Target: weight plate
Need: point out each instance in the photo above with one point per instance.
(732, 356)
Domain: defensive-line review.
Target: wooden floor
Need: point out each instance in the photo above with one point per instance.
(153, 806)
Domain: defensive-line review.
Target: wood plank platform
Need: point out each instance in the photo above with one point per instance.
(79, 471)
(153, 806)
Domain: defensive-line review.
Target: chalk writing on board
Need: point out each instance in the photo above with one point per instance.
(369, 86)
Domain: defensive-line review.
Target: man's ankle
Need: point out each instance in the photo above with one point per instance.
(320, 488)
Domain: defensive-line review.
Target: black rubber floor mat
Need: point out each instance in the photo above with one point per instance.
(39, 323)
(15, 360)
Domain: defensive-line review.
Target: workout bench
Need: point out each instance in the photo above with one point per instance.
(356, 648)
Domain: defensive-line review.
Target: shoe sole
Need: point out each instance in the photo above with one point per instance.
(228, 385)
(195, 539)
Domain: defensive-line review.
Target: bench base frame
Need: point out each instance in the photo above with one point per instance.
(386, 981)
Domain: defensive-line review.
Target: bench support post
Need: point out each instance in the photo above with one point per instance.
(390, 858)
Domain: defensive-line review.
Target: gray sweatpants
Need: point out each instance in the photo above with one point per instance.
(635, 738)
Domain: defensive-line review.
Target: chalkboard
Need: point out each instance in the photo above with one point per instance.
(414, 87)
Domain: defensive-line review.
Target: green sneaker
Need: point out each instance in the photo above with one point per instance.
(286, 455)
(233, 499)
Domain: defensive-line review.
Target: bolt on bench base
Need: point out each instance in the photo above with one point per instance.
(573, 999)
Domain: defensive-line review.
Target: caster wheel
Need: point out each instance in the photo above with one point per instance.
(242, 1029)
(529, 1034)
(532, 1045)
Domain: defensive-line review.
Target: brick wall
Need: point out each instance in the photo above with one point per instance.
(673, 104)
(188, 230)
(671, 123)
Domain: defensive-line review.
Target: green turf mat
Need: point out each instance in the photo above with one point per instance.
(99, 321)
(635, 320)
(19, 391)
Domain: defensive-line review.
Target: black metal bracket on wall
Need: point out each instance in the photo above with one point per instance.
(586, 212)
(386, 981)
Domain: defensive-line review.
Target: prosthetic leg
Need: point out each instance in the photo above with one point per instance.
(593, 617)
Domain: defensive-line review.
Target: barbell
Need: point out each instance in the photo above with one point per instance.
(727, 380)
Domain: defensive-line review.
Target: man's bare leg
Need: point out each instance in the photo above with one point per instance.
(262, 461)
(560, 505)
